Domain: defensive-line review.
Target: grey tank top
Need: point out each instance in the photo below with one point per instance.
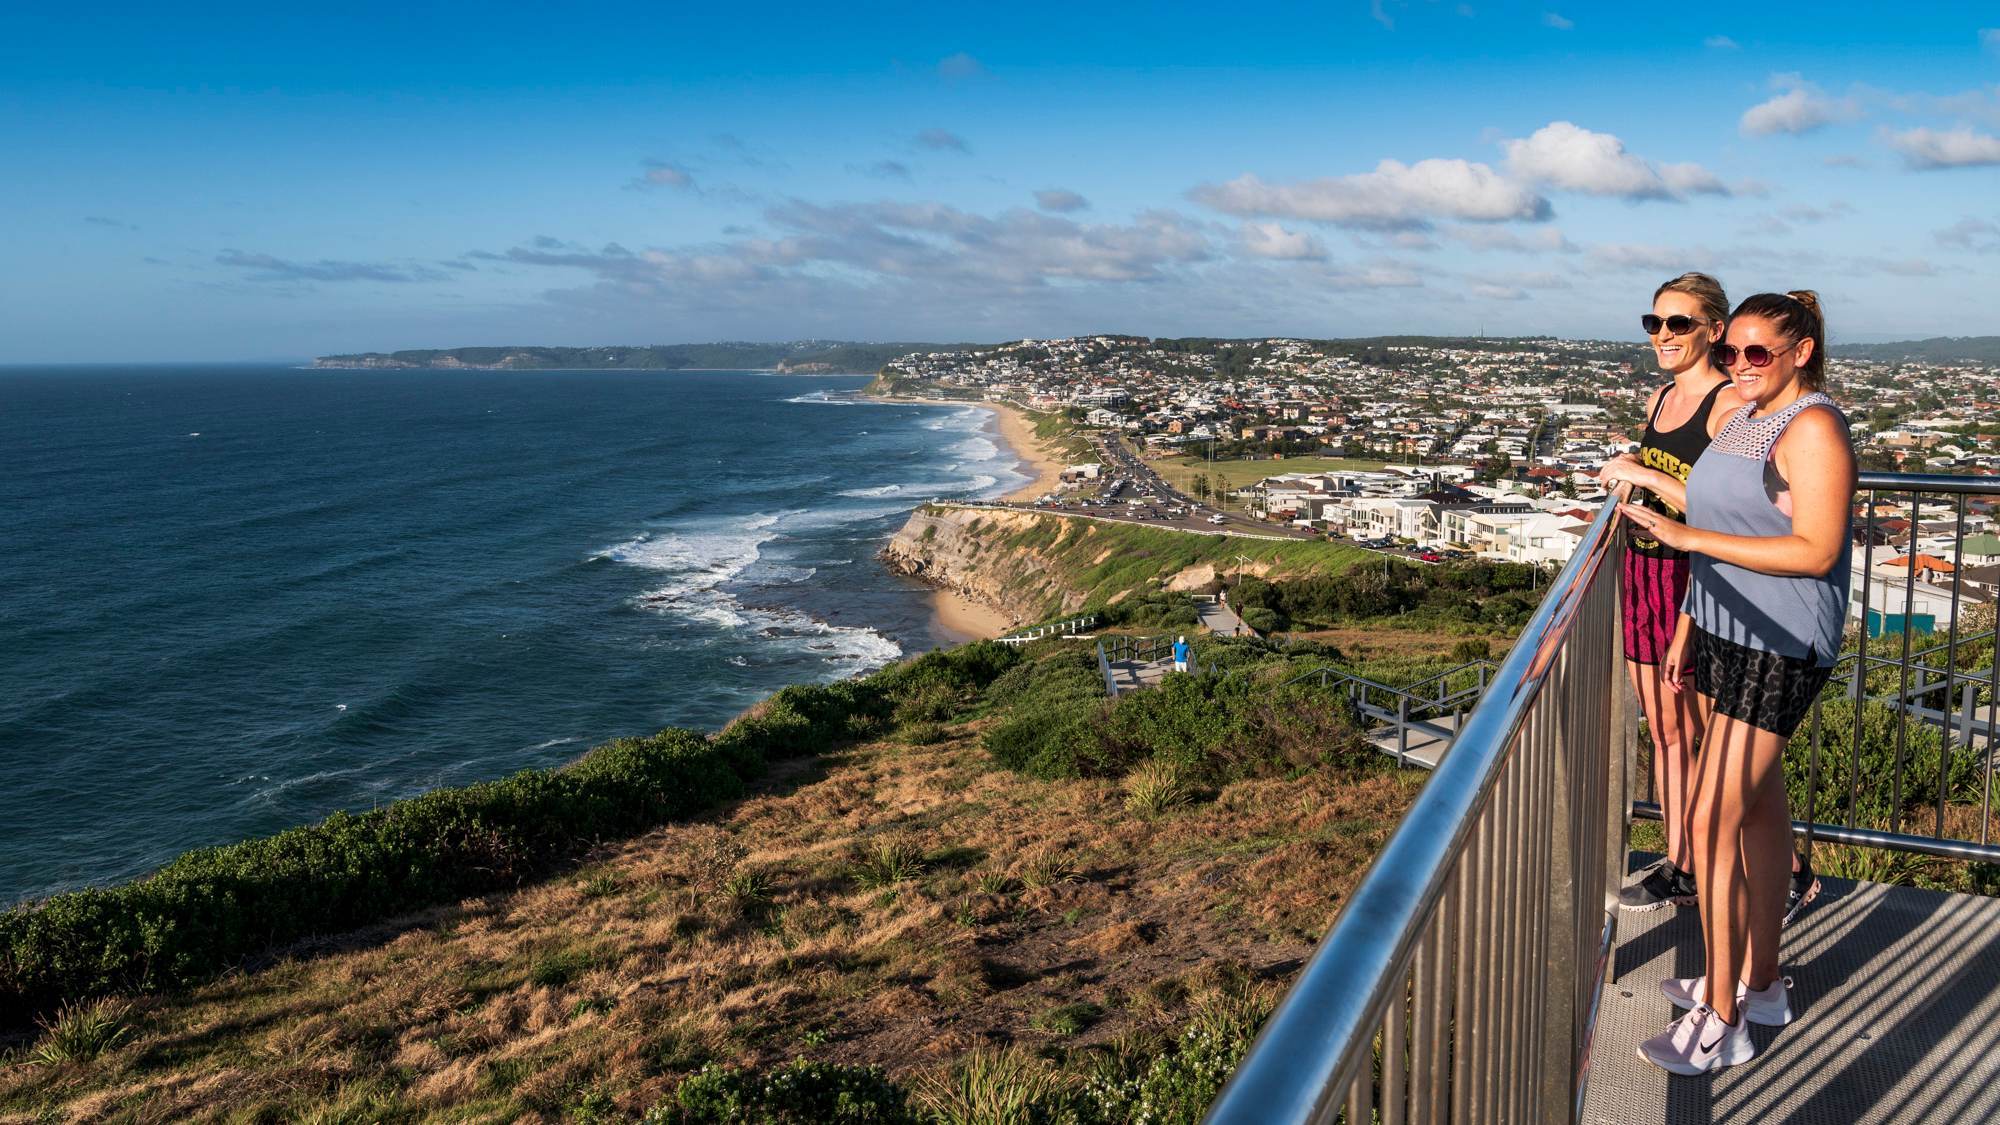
(1735, 490)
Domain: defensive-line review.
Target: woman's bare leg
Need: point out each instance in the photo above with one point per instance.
(1741, 835)
(1670, 718)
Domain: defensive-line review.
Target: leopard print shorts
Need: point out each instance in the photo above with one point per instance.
(1769, 691)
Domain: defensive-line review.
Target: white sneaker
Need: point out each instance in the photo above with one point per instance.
(1699, 1042)
(1770, 1006)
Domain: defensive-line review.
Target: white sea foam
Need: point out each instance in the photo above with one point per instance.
(700, 559)
(848, 648)
(973, 449)
(878, 490)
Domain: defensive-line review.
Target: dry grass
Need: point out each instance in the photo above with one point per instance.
(1001, 912)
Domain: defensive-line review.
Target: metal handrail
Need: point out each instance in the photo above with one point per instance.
(1431, 995)
(1318, 1046)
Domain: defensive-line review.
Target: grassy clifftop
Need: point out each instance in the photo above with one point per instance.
(1038, 565)
(958, 901)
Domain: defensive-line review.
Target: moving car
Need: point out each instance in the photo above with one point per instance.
(1217, 518)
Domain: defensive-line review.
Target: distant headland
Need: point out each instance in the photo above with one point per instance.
(825, 357)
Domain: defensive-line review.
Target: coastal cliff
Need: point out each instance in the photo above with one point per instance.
(1035, 565)
(973, 554)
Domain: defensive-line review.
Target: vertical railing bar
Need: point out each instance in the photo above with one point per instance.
(1992, 733)
(1423, 1001)
(1903, 669)
(1395, 1099)
(1861, 657)
(1946, 744)
(1812, 782)
(1462, 993)
(1435, 1106)
(1499, 1081)
(1359, 1109)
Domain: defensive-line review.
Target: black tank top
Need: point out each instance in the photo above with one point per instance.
(1674, 453)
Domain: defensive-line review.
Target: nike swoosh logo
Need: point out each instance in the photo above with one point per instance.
(1706, 1047)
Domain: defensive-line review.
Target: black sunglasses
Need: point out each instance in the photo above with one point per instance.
(1757, 354)
(1677, 324)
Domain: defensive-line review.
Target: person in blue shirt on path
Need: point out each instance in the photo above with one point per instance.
(1180, 655)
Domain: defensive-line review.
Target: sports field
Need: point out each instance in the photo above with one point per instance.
(1181, 471)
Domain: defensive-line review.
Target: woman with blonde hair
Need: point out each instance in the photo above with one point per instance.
(1768, 526)
(1688, 317)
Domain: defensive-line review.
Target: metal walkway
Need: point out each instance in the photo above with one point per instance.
(1895, 1018)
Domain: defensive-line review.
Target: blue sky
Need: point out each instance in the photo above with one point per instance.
(243, 182)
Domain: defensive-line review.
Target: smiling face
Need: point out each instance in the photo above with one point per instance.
(1677, 353)
(1765, 385)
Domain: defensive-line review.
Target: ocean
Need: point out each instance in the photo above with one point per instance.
(235, 599)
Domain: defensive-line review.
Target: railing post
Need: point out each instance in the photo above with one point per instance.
(1403, 730)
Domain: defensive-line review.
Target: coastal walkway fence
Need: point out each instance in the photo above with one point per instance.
(1479, 972)
(1128, 662)
(1417, 722)
(1075, 626)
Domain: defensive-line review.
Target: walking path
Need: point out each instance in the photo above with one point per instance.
(1222, 621)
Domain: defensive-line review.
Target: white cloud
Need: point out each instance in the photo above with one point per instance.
(1946, 148)
(1393, 196)
(1568, 156)
(1270, 240)
(1656, 259)
(1969, 233)
(1490, 291)
(1844, 160)
(1060, 199)
(1545, 240)
(1720, 43)
(1379, 15)
(1801, 108)
(941, 140)
(661, 174)
(1556, 20)
(1989, 38)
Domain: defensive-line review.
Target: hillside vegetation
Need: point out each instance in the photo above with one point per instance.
(929, 899)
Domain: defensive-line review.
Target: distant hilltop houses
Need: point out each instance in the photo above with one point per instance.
(1501, 407)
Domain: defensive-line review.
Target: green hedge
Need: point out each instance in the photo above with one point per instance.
(211, 908)
(1059, 725)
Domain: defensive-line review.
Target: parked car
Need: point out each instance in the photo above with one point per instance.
(1431, 557)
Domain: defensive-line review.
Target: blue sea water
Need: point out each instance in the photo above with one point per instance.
(236, 599)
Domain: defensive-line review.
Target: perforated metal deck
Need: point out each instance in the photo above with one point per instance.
(1896, 1000)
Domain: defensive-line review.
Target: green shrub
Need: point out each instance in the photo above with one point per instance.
(80, 1031)
(1176, 1086)
(1262, 618)
(1875, 804)
(1009, 1087)
(802, 1092)
(1156, 787)
(1182, 721)
(1052, 742)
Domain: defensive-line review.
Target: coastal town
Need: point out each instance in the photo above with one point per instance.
(1437, 449)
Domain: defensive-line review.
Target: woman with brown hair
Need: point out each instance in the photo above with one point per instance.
(1768, 527)
(1688, 317)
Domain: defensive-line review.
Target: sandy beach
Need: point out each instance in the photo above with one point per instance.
(1041, 462)
(956, 614)
(968, 620)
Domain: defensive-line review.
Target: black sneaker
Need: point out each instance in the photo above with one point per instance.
(1805, 888)
(1664, 885)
